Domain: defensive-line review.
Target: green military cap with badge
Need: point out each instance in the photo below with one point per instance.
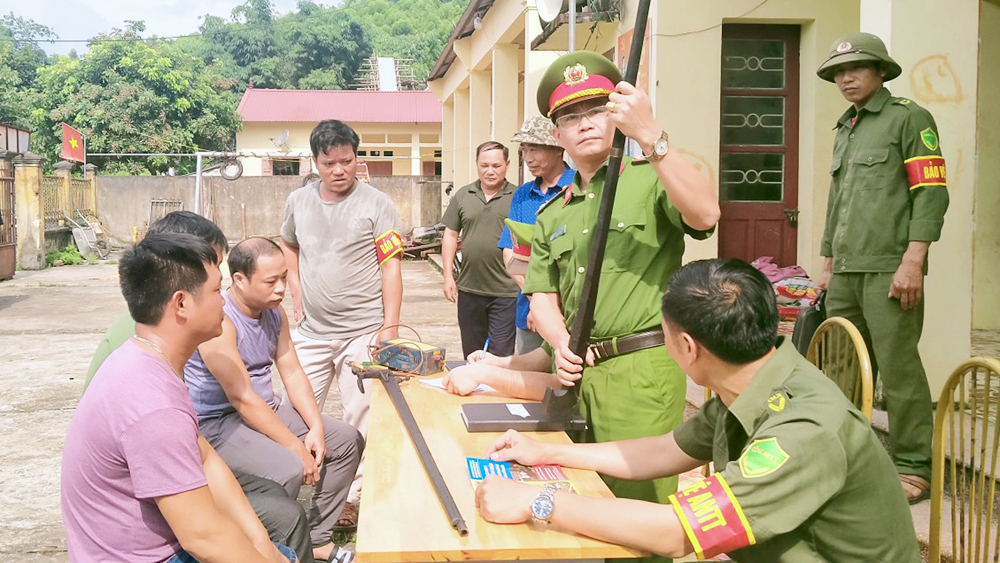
(858, 47)
(574, 77)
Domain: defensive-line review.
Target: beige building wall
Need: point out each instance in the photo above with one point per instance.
(986, 240)
(685, 83)
(412, 143)
(942, 76)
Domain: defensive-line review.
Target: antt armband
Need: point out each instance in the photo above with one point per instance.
(712, 517)
(388, 245)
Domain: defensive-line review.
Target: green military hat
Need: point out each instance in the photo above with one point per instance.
(574, 77)
(536, 130)
(858, 47)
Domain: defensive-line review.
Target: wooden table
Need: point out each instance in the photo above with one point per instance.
(401, 517)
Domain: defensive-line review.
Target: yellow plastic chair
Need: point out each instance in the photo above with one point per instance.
(839, 351)
(965, 429)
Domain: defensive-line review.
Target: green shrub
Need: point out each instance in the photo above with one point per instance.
(70, 256)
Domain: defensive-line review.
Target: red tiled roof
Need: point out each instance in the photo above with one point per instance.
(261, 105)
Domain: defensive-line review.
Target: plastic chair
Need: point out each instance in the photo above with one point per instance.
(839, 351)
(965, 429)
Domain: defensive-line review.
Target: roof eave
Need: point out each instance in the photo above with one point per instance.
(463, 28)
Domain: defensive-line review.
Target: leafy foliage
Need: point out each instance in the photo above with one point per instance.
(70, 256)
(130, 93)
(134, 96)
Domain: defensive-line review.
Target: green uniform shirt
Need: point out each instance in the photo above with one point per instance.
(645, 246)
(480, 222)
(121, 330)
(887, 185)
(806, 476)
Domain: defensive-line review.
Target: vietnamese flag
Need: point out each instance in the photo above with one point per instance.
(72, 145)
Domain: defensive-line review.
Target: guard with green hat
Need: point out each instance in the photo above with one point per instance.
(629, 385)
(544, 158)
(888, 196)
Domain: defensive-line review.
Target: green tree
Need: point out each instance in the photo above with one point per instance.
(137, 96)
(20, 58)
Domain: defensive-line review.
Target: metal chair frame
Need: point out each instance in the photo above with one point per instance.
(850, 370)
(965, 410)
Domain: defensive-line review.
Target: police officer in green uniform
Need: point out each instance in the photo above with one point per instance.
(888, 197)
(800, 475)
(631, 387)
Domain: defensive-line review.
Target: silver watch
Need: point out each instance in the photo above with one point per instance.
(544, 503)
(660, 148)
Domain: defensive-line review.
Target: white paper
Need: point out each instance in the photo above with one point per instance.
(517, 409)
(438, 383)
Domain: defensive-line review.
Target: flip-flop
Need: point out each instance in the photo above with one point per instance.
(921, 484)
(349, 515)
(341, 555)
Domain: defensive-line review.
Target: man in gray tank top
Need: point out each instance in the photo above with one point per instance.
(229, 380)
(342, 245)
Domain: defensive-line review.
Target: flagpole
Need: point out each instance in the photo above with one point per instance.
(84, 138)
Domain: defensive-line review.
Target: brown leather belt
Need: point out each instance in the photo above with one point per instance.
(626, 344)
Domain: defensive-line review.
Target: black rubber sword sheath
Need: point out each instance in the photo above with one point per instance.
(391, 384)
(562, 402)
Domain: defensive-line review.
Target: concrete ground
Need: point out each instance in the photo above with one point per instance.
(50, 324)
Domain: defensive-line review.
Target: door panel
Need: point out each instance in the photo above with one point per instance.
(758, 156)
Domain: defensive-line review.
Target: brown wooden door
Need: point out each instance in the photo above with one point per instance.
(8, 216)
(380, 168)
(759, 142)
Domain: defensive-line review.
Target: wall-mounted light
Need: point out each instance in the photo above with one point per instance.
(477, 23)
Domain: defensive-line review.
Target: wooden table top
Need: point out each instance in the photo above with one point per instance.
(401, 517)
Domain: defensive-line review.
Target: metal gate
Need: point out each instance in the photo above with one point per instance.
(8, 221)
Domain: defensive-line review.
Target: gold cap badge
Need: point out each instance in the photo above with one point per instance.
(575, 74)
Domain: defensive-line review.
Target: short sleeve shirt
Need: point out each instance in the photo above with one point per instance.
(479, 223)
(888, 185)
(644, 249)
(338, 263)
(524, 209)
(801, 476)
(132, 439)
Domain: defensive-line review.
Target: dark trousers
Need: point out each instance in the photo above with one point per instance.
(483, 316)
(283, 517)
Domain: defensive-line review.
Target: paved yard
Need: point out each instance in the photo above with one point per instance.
(50, 323)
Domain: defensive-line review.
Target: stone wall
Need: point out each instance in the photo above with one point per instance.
(243, 207)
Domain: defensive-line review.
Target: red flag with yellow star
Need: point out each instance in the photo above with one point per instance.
(72, 145)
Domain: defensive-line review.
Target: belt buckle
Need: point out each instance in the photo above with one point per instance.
(596, 349)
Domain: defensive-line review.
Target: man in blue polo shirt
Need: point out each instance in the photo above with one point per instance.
(544, 158)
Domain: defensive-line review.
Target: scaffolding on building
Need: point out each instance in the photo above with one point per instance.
(387, 74)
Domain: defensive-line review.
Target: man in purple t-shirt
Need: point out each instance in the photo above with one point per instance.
(138, 482)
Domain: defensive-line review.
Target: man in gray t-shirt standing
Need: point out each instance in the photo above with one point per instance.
(341, 242)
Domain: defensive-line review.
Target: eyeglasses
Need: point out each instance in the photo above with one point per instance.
(573, 119)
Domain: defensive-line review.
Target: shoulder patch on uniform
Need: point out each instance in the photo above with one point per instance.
(762, 457)
(929, 138)
(543, 206)
(902, 101)
(776, 402)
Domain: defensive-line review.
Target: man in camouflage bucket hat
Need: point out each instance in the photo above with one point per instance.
(888, 196)
(544, 158)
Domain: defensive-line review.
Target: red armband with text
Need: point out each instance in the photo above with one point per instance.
(388, 245)
(712, 517)
(924, 171)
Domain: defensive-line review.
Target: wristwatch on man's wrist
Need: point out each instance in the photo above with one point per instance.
(544, 503)
(659, 148)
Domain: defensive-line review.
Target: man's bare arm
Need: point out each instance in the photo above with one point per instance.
(291, 253)
(222, 357)
(392, 296)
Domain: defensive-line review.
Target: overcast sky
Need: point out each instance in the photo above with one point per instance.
(83, 19)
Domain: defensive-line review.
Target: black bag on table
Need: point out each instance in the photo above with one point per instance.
(807, 322)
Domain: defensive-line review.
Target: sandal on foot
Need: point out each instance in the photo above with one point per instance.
(922, 486)
(348, 520)
(341, 555)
